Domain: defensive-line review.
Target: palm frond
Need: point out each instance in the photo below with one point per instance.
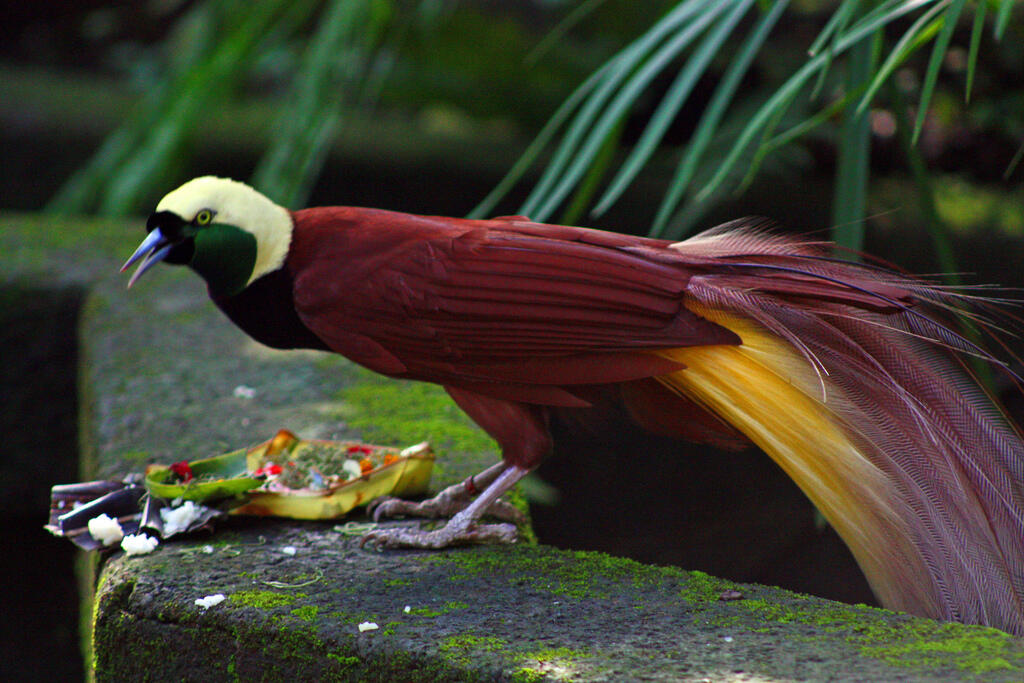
(540, 142)
(1003, 18)
(913, 38)
(588, 118)
(711, 118)
(674, 100)
(972, 53)
(865, 26)
(854, 154)
(634, 68)
(143, 154)
(938, 52)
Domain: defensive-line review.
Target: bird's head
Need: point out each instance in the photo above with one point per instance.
(226, 231)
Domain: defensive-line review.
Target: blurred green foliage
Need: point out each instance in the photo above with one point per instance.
(317, 60)
(707, 93)
(860, 49)
(143, 152)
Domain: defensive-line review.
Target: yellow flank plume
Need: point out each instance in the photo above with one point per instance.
(772, 394)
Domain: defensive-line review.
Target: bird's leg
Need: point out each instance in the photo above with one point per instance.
(522, 432)
(463, 527)
(449, 501)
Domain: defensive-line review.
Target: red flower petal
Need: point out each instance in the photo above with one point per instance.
(183, 470)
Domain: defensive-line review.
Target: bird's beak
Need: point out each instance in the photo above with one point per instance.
(153, 249)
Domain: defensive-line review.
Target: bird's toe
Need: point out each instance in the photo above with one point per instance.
(449, 535)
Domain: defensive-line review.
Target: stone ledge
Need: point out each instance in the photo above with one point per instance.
(158, 371)
(512, 613)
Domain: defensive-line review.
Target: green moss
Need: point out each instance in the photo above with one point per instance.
(284, 651)
(445, 608)
(456, 649)
(354, 617)
(702, 589)
(973, 650)
(262, 599)
(581, 575)
(306, 612)
(517, 499)
(37, 241)
(345, 661)
(552, 653)
(135, 458)
(398, 583)
(543, 662)
(86, 571)
(913, 642)
(403, 413)
(111, 599)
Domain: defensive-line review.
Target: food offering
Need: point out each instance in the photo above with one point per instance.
(283, 477)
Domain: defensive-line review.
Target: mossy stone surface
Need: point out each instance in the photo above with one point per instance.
(159, 369)
(508, 613)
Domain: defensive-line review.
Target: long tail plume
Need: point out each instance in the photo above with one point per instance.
(847, 378)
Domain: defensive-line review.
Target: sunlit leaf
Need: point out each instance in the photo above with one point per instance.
(854, 154)
(972, 53)
(1003, 18)
(935, 62)
(914, 37)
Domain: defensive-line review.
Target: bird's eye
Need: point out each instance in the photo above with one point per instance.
(204, 217)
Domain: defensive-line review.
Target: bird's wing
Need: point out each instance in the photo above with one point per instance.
(494, 301)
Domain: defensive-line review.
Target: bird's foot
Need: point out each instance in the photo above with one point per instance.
(464, 526)
(447, 503)
(439, 506)
(448, 535)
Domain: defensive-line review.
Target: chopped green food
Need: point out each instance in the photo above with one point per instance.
(291, 477)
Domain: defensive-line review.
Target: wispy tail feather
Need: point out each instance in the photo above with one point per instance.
(848, 382)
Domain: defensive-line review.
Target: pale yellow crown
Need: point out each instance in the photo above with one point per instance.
(237, 204)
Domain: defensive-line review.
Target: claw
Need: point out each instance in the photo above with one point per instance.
(382, 507)
(371, 539)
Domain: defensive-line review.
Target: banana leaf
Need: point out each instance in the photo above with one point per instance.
(296, 478)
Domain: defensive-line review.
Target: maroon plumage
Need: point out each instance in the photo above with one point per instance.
(843, 373)
(505, 308)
